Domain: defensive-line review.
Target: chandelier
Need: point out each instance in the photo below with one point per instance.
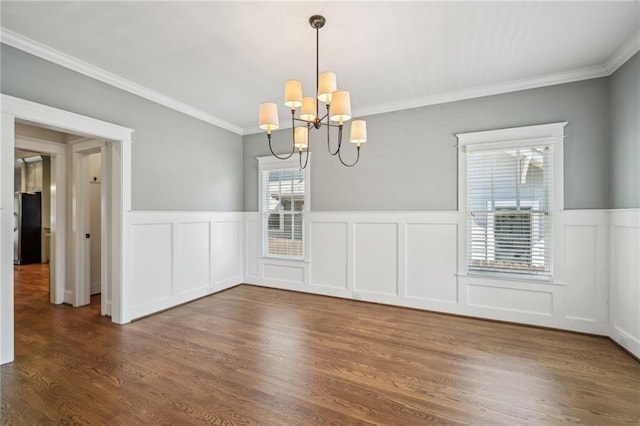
(338, 110)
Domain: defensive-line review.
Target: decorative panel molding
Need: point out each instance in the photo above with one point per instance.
(290, 273)
(252, 241)
(181, 256)
(586, 270)
(431, 262)
(194, 257)
(152, 263)
(512, 300)
(329, 254)
(376, 258)
(227, 251)
(581, 268)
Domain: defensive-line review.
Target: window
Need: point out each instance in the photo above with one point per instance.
(283, 200)
(509, 198)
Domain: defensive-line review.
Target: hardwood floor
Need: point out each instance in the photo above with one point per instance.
(252, 355)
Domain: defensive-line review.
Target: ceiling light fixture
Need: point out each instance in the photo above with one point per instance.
(338, 105)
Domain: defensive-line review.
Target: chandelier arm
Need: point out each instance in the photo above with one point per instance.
(293, 142)
(276, 155)
(329, 126)
(323, 117)
(352, 164)
(306, 161)
(302, 120)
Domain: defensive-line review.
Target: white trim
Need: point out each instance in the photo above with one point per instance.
(39, 145)
(51, 117)
(89, 145)
(546, 132)
(622, 55)
(120, 137)
(550, 134)
(7, 131)
(511, 144)
(52, 55)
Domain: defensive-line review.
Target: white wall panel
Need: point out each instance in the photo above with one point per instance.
(251, 246)
(376, 258)
(152, 263)
(283, 272)
(227, 243)
(510, 299)
(625, 277)
(328, 254)
(194, 257)
(431, 262)
(175, 258)
(581, 272)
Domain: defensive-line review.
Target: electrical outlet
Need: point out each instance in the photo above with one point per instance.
(357, 295)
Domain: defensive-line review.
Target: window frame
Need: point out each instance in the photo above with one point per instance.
(551, 134)
(272, 163)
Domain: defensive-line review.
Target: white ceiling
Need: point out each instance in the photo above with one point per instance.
(221, 59)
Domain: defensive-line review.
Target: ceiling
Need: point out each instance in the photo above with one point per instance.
(219, 60)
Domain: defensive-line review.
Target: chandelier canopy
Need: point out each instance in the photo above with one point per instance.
(338, 107)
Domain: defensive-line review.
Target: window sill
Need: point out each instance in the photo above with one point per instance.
(284, 259)
(511, 277)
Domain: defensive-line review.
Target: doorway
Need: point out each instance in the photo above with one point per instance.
(116, 169)
(78, 199)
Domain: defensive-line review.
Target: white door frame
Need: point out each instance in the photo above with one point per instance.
(13, 109)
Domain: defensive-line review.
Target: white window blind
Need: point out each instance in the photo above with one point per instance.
(283, 195)
(509, 209)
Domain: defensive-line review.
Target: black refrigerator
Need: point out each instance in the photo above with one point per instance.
(27, 229)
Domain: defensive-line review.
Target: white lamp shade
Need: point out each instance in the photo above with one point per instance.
(326, 86)
(269, 116)
(358, 132)
(308, 111)
(340, 106)
(293, 93)
(301, 137)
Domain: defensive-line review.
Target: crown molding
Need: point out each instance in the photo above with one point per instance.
(626, 51)
(622, 55)
(40, 50)
(488, 90)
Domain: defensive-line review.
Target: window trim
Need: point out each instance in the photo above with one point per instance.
(514, 137)
(273, 163)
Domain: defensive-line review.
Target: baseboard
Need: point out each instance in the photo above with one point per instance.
(627, 342)
(68, 297)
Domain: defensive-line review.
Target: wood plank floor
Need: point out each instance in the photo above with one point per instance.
(260, 356)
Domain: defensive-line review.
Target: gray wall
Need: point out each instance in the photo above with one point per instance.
(410, 161)
(178, 162)
(625, 135)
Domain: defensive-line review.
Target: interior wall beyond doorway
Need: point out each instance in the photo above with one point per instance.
(95, 194)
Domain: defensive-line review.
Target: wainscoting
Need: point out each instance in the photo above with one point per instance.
(413, 259)
(402, 259)
(180, 256)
